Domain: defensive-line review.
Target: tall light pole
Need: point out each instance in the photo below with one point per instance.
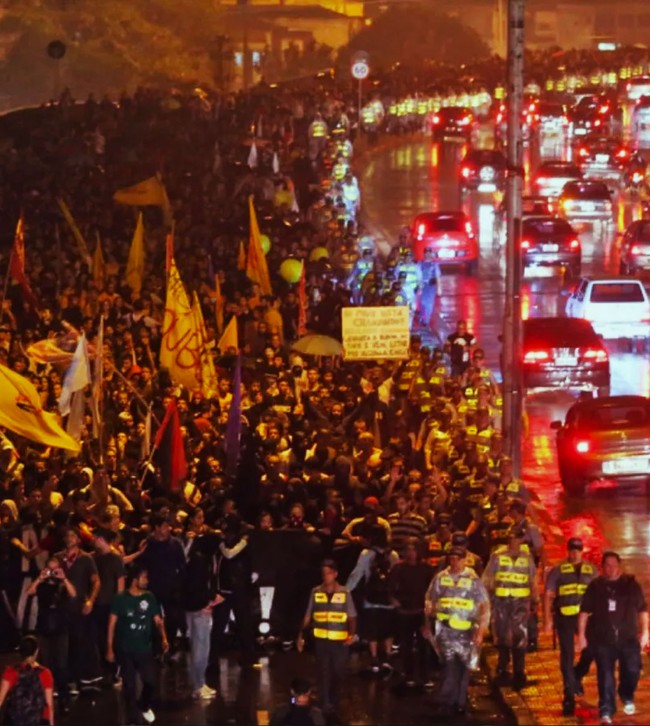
(512, 328)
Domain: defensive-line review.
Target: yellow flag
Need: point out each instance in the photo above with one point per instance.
(209, 380)
(22, 413)
(76, 232)
(230, 337)
(219, 304)
(148, 193)
(135, 265)
(241, 257)
(98, 266)
(180, 348)
(256, 267)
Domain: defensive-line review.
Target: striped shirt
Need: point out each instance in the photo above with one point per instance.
(403, 526)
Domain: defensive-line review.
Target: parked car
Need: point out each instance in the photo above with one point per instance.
(635, 248)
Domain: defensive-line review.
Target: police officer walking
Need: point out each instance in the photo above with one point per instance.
(511, 581)
(458, 602)
(332, 617)
(566, 584)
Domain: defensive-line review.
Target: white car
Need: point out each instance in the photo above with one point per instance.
(616, 306)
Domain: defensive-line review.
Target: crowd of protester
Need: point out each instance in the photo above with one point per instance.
(382, 464)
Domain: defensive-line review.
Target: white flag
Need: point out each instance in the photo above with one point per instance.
(98, 383)
(77, 376)
(276, 163)
(252, 156)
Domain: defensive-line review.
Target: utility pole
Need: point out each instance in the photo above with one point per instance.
(512, 328)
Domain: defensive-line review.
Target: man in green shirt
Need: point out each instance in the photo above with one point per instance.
(134, 612)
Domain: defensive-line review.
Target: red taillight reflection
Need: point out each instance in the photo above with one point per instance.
(582, 447)
(536, 356)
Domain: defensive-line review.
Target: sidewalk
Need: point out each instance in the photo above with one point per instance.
(540, 703)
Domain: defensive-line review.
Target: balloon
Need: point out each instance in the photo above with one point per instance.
(266, 243)
(290, 270)
(318, 253)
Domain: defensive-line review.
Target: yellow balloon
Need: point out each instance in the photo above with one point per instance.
(318, 253)
(290, 270)
(266, 243)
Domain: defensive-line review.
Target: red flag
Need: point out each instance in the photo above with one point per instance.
(302, 303)
(17, 264)
(171, 449)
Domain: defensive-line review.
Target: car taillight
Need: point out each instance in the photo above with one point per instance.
(469, 229)
(622, 153)
(542, 180)
(595, 354)
(603, 109)
(421, 230)
(583, 152)
(464, 121)
(636, 250)
(436, 119)
(466, 171)
(536, 356)
(597, 122)
(637, 177)
(525, 244)
(582, 447)
(574, 244)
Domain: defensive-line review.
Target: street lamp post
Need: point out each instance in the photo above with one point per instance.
(512, 328)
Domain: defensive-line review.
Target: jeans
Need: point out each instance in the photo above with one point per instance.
(84, 656)
(455, 673)
(132, 665)
(53, 654)
(628, 656)
(409, 629)
(331, 660)
(199, 627)
(567, 627)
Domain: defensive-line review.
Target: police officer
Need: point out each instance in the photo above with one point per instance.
(510, 579)
(459, 603)
(565, 585)
(332, 617)
(472, 560)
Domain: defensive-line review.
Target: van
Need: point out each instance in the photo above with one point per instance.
(640, 127)
(616, 306)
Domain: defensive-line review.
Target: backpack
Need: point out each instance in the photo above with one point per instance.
(376, 591)
(26, 699)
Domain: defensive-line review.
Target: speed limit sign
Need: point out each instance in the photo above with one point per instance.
(360, 70)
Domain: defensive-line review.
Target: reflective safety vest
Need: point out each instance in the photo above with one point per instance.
(330, 615)
(408, 374)
(512, 578)
(483, 440)
(514, 489)
(318, 129)
(498, 530)
(572, 584)
(456, 606)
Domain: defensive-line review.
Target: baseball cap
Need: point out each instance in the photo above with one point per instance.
(575, 543)
(459, 539)
(457, 552)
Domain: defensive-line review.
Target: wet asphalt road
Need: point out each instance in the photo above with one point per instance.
(421, 176)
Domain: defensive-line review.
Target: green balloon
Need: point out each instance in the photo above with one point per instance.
(290, 270)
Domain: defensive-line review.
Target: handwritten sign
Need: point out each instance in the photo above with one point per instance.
(376, 333)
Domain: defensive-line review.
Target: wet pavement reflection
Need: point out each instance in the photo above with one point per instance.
(421, 176)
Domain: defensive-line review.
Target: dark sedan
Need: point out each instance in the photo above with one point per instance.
(635, 248)
(550, 242)
(564, 353)
(483, 170)
(605, 438)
